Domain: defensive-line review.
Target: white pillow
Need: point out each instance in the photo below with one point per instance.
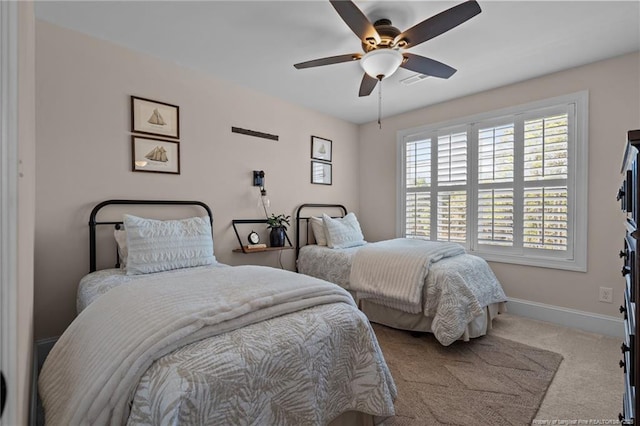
(343, 232)
(121, 239)
(317, 226)
(162, 245)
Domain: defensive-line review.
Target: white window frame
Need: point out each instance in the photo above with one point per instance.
(575, 258)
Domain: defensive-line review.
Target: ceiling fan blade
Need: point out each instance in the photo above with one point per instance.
(367, 85)
(328, 61)
(427, 66)
(356, 20)
(440, 23)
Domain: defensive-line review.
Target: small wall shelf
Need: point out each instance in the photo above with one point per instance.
(244, 249)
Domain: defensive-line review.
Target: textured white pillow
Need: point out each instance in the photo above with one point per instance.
(162, 245)
(121, 239)
(317, 226)
(343, 232)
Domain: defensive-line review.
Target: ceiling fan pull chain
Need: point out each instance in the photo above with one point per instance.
(380, 104)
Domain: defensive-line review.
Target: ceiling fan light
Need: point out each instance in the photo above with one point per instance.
(381, 62)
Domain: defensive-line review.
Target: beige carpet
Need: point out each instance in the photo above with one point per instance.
(487, 381)
(589, 383)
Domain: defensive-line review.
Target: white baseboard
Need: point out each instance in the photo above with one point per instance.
(587, 321)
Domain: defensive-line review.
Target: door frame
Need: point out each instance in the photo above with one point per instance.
(9, 204)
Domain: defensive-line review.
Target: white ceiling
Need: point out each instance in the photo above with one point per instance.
(256, 43)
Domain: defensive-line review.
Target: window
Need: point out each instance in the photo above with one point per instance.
(509, 185)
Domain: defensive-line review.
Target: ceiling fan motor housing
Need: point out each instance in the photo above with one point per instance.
(387, 33)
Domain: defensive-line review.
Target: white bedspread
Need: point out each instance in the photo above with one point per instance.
(92, 372)
(457, 289)
(395, 270)
(94, 285)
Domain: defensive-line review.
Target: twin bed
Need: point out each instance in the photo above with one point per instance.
(171, 336)
(459, 296)
(207, 343)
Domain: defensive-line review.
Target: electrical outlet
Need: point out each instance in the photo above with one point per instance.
(606, 294)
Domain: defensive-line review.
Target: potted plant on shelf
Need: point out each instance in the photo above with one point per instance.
(278, 225)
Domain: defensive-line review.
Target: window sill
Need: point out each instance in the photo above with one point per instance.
(539, 262)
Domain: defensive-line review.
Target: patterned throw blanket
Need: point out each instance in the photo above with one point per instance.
(395, 270)
(91, 374)
(457, 290)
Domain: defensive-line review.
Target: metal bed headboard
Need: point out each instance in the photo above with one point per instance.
(93, 222)
(300, 218)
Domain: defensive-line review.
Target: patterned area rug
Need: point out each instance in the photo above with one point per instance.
(487, 381)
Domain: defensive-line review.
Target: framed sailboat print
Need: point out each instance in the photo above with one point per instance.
(320, 149)
(155, 155)
(155, 118)
(321, 173)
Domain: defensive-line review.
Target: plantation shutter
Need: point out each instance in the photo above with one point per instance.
(418, 222)
(452, 174)
(545, 218)
(496, 168)
(546, 164)
(452, 216)
(452, 159)
(509, 185)
(418, 183)
(495, 217)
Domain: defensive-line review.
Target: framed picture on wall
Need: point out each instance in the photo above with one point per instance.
(155, 155)
(155, 118)
(320, 148)
(320, 173)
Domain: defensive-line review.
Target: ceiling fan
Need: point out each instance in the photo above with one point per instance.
(385, 46)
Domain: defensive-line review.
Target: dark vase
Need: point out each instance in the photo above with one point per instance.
(276, 237)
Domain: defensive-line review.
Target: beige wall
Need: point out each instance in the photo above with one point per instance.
(84, 144)
(83, 157)
(614, 97)
(26, 212)
(26, 204)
